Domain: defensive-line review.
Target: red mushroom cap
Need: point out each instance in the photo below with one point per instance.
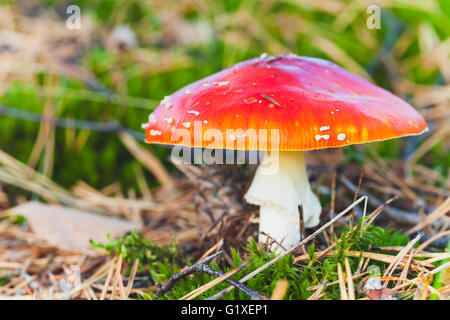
(313, 103)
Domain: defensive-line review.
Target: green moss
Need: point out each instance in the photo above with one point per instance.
(440, 278)
(164, 261)
(157, 259)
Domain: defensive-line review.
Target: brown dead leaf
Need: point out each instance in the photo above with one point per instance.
(375, 290)
(68, 228)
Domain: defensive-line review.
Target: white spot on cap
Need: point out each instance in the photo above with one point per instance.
(205, 121)
(188, 91)
(263, 55)
(186, 124)
(144, 126)
(155, 132)
(169, 120)
(194, 112)
(341, 136)
(166, 102)
(324, 128)
(221, 83)
(206, 84)
(152, 118)
(325, 137)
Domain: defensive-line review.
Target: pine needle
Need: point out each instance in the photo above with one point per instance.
(280, 290)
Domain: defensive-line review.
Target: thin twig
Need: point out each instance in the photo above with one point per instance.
(203, 267)
(107, 127)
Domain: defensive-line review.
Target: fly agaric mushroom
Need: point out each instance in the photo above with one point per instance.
(312, 103)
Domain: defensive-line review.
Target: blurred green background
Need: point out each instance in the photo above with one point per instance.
(102, 74)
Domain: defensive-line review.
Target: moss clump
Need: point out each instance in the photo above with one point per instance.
(151, 256)
(163, 261)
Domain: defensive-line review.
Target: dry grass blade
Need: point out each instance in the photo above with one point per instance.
(16, 173)
(306, 256)
(355, 277)
(390, 269)
(215, 247)
(131, 278)
(116, 277)
(342, 288)
(10, 265)
(147, 159)
(351, 287)
(191, 295)
(121, 288)
(416, 264)
(22, 284)
(392, 278)
(333, 199)
(25, 297)
(440, 257)
(444, 289)
(406, 268)
(431, 240)
(99, 274)
(439, 269)
(280, 290)
(339, 55)
(108, 279)
(438, 135)
(419, 281)
(440, 211)
(318, 291)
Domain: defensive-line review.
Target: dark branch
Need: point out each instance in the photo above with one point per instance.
(110, 127)
(203, 267)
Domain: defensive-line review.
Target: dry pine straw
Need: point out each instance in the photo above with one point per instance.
(42, 272)
(37, 271)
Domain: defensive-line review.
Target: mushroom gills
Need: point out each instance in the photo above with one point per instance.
(279, 187)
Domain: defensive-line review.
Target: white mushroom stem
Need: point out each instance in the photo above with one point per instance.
(280, 185)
